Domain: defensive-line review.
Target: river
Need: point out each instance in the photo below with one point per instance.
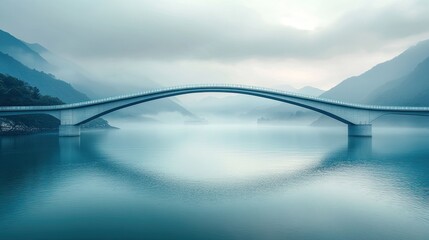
(216, 182)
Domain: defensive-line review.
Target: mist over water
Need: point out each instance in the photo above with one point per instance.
(216, 182)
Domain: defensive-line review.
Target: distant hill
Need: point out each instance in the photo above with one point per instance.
(399, 81)
(37, 48)
(34, 64)
(14, 92)
(89, 85)
(357, 89)
(312, 91)
(409, 90)
(46, 83)
(22, 52)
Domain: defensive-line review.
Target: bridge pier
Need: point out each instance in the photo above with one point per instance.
(360, 130)
(69, 131)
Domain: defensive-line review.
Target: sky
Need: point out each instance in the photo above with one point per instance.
(266, 43)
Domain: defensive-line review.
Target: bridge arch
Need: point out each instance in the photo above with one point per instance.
(293, 99)
(357, 117)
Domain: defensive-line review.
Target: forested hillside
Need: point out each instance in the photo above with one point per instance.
(14, 92)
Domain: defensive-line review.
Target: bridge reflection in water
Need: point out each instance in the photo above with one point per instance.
(72, 176)
(358, 150)
(70, 152)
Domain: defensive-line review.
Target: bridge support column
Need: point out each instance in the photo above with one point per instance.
(360, 130)
(69, 131)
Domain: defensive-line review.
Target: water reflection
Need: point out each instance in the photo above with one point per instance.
(69, 149)
(357, 149)
(104, 175)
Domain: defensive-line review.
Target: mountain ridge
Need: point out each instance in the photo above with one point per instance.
(20, 51)
(74, 76)
(46, 83)
(386, 75)
(356, 89)
(409, 90)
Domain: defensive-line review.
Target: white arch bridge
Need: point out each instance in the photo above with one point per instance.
(358, 117)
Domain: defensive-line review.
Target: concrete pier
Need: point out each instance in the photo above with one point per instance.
(360, 130)
(69, 131)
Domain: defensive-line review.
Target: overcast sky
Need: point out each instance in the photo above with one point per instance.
(265, 42)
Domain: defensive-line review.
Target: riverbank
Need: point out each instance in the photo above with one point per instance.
(19, 125)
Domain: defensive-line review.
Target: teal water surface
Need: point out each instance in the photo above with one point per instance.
(216, 182)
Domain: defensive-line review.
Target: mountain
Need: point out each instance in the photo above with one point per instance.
(312, 91)
(22, 52)
(14, 92)
(382, 85)
(357, 89)
(36, 57)
(68, 71)
(409, 90)
(35, 64)
(23, 60)
(46, 83)
(37, 48)
(97, 88)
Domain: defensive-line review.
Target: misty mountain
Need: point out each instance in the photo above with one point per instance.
(97, 88)
(22, 52)
(409, 90)
(385, 84)
(46, 83)
(37, 48)
(357, 89)
(12, 49)
(14, 92)
(311, 91)
(22, 60)
(68, 71)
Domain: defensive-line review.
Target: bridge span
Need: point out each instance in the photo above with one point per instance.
(358, 117)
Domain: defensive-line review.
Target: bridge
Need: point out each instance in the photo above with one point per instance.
(358, 117)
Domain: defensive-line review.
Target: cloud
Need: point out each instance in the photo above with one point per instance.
(213, 30)
(269, 43)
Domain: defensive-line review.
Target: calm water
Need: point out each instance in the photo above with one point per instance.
(208, 182)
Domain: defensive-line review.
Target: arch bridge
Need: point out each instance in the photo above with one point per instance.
(358, 117)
